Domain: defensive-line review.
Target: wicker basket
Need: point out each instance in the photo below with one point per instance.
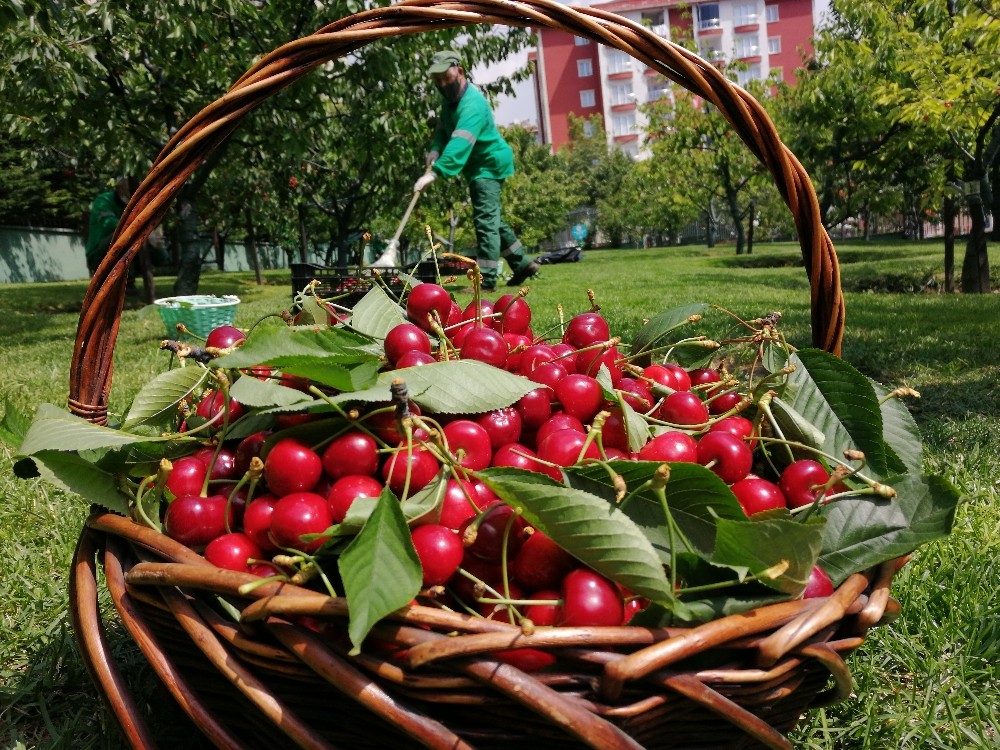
(740, 681)
(199, 313)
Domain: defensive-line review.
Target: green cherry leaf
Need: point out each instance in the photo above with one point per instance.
(379, 569)
(157, 401)
(587, 526)
(656, 333)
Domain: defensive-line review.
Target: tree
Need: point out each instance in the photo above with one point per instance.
(933, 63)
(107, 83)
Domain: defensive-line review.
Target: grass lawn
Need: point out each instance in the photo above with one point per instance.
(928, 680)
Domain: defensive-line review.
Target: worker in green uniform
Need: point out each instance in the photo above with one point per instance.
(105, 213)
(467, 141)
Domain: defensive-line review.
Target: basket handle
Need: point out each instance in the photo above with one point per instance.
(91, 367)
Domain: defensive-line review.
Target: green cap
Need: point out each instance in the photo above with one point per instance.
(443, 60)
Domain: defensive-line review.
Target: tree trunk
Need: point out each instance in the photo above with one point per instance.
(752, 213)
(976, 265)
(995, 196)
(303, 242)
(948, 217)
(254, 255)
(189, 263)
(734, 214)
(709, 229)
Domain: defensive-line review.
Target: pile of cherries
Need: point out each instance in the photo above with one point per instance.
(478, 555)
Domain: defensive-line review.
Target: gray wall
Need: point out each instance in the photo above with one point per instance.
(28, 255)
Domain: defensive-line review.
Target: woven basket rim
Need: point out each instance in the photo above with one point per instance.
(195, 301)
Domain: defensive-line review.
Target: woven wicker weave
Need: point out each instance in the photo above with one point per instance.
(741, 681)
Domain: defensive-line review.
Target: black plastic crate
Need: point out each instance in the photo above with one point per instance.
(345, 286)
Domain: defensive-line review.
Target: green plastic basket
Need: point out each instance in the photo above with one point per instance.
(198, 312)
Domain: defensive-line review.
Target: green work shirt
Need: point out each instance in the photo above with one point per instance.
(468, 141)
(105, 212)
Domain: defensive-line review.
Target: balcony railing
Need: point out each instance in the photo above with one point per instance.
(708, 24)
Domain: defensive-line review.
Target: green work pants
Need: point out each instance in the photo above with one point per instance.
(494, 238)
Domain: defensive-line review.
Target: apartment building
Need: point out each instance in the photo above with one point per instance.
(575, 75)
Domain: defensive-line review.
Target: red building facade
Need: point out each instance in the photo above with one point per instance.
(583, 78)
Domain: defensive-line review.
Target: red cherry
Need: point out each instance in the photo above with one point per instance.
(516, 344)
(580, 395)
(485, 345)
(187, 476)
(541, 563)
(590, 363)
(683, 408)
(194, 521)
(232, 552)
(798, 480)
(484, 318)
(613, 433)
(724, 402)
(819, 584)
(548, 374)
(704, 376)
(257, 522)
(637, 394)
(489, 534)
(515, 315)
(535, 407)
(586, 329)
(213, 407)
(354, 452)
(483, 570)
(590, 599)
(470, 443)
(403, 338)
(297, 514)
(224, 337)
(672, 376)
(348, 489)
(496, 611)
(565, 355)
(739, 426)
(534, 356)
(427, 300)
(385, 427)
(563, 448)
(726, 455)
(248, 448)
(419, 465)
(414, 359)
(670, 446)
(517, 456)
(756, 495)
(528, 660)
(502, 425)
(545, 614)
(291, 466)
(459, 503)
(558, 421)
(439, 550)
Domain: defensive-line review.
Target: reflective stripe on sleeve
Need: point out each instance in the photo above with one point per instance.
(465, 135)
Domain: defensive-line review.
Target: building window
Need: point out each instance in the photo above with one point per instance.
(745, 14)
(746, 45)
(587, 98)
(657, 90)
(618, 61)
(621, 93)
(708, 16)
(588, 128)
(580, 41)
(712, 53)
(773, 45)
(623, 124)
(584, 68)
(771, 13)
(752, 73)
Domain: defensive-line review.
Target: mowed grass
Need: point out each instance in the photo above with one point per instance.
(928, 680)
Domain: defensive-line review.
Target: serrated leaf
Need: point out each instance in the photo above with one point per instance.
(253, 392)
(273, 346)
(57, 430)
(587, 526)
(696, 497)
(863, 531)
(840, 402)
(379, 569)
(354, 377)
(761, 545)
(376, 314)
(15, 423)
(900, 432)
(656, 333)
(795, 427)
(158, 399)
(75, 474)
(424, 506)
(636, 428)
(460, 387)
